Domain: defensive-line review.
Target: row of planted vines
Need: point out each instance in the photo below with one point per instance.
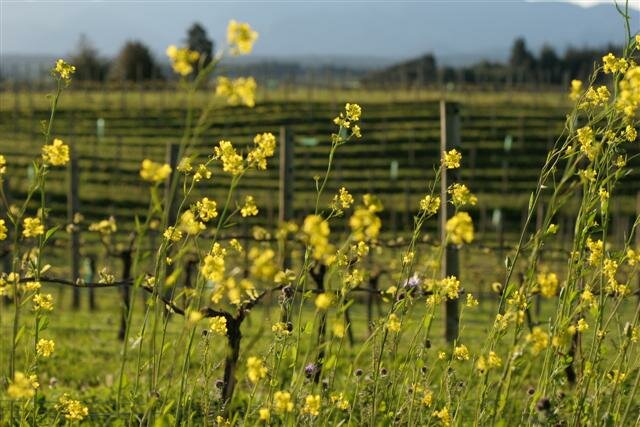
(224, 323)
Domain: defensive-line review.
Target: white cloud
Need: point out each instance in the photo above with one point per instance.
(633, 4)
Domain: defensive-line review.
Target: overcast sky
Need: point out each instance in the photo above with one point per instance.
(391, 28)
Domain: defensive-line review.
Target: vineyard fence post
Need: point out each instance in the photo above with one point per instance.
(449, 139)
(73, 208)
(285, 196)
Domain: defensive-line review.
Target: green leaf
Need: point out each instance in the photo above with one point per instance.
(308, 328)
(50, 233)
(19, 334)
(331, 362)
(43, 322)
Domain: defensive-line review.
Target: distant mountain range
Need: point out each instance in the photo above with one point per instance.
(356, 35)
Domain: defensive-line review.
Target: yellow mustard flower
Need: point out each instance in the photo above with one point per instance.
(218, 324)
(44, 347)
(240, 37)
(263, 263)
(214, 264)
(32, 227)
(239, 91)
(64, 70)
(172, 234)
(339, 401)
(451, 159)
(182, 59)
(430, 204)
(72, 409)
(105, 226)
(3, 165)
(43, 302)
(461, 352)
(231, 161)
(324, 301)
(282, 402)
(365, 224)
(461, 195)
(249, 208)
(312, 405)
(207, 209)
(316, 230)
(22, 386)
(393, 323)
(154, 172)
(56, 153)
(576, 89)
(3, 230)
(460, 228)
(548, 284)
(256, 369)
(264, 414)
(538, 339)
(630, 133)
(342, 200)
(190, 224)
(264, 147)
(596, 248)
(338, 329)
(443, 416)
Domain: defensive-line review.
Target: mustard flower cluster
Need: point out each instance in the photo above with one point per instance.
(64, 70)
(264, 147)
(256, 369)
(182, 59)
(547, 284)
(218, 325)
(44, 347)
(154, 172)
(240, 37)
(72, 409)
(460, 228)
(239, 91)
(461, 195)
(451, 159)
(232, 162)
(56, 153)
(22, 386)
(32, 227)
(249, 208)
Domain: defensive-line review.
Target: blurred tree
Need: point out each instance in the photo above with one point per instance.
(549, 65)
(89, 66)
(521, 61)
(134, 63)
(198, 40)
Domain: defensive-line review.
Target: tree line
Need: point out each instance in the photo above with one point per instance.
(548, 67)
(134, 62)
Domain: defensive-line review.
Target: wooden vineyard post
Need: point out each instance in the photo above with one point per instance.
(73, 208)
(285, 196)
(449, 139)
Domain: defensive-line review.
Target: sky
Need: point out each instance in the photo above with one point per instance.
(386, 29)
